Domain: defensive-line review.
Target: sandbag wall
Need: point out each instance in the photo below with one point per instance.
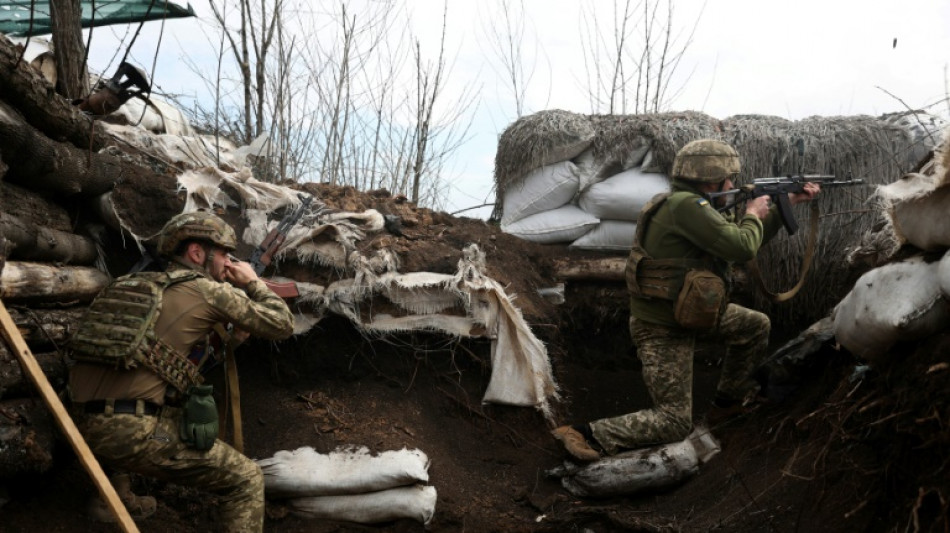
(906, 295)
(580, 180)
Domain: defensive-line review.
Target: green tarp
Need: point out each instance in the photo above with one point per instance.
(15, 14)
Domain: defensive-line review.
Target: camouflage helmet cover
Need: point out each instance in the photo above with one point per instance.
(199, 225)
(706, 160)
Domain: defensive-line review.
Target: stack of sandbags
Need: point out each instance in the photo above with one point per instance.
(617, 202)
(559, 190)
(909, 299)
(351, 484)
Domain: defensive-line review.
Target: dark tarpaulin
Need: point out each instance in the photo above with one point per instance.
(15, 14)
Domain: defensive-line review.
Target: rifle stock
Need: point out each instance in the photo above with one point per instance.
(284, 289)
(264, 253)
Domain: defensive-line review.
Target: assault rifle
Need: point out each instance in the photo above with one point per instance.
(778, 190)
(264, 253)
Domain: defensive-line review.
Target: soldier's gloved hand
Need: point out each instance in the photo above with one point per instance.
(199, 424)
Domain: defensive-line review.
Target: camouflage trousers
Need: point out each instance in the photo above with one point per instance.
(151, 446)
(667, 357)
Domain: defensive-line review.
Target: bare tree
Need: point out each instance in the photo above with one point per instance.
(507, 45)
(254, 34)
(636, 59)
(344, 96)
(71, 79)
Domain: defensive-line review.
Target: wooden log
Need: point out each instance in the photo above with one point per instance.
(14, 384)
(52, 166)
(22, 86)
(26, 437)
(46, 327)
(32, 208)
(40, 243)
(39, 282)
(605, 269)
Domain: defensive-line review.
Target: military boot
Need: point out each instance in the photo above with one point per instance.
(139, 507)
(575, 444)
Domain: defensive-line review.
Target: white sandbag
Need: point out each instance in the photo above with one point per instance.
(563, 224)
(923, 221)
(622, 196)
(943, 275)
(546, 188)
(590, 169)
(304, 472)
(415, 502)
(157, 116)
(639, 470)
(637, 154)
(895, 302)
(650, 164)
(609, 235)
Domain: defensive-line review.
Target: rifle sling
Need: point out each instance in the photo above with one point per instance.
(806, 262)
(233, 396)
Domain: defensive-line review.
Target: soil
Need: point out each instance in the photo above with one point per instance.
(838, 450)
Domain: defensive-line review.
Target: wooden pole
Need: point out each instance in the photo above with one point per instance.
(65, 423)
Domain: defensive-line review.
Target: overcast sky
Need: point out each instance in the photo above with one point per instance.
(791, 59)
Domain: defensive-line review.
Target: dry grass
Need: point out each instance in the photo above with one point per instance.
(540, 139)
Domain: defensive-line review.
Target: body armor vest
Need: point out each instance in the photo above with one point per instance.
(654, 278)
(118, 329)
(699, 293)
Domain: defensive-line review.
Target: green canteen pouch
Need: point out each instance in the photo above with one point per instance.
(700, 301)
(199, 421)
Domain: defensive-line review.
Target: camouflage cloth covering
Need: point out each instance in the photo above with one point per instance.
(667, 357)
(150, 445)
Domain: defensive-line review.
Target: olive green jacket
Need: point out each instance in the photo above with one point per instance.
(687, 226)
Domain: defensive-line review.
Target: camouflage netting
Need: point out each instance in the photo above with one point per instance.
(537, 140)
(877, 150)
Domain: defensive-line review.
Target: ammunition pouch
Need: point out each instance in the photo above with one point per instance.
(698, 293)
(199, 420)
(701, 300)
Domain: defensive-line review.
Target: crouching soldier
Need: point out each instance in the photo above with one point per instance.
(676, 274)
(136, 387)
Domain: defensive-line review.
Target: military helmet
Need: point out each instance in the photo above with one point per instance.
(200, 225)
(706, 160)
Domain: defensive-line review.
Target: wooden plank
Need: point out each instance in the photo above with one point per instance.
(606, 269)
(63, 420)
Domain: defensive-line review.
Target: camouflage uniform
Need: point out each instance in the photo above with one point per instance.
(687, 226)
(151, 445)
(667, 356)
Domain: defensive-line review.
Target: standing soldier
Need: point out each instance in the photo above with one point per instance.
(136, 387)
(677, 275)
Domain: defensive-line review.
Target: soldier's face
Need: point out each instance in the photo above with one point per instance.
(220, 261)
(724, 185)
